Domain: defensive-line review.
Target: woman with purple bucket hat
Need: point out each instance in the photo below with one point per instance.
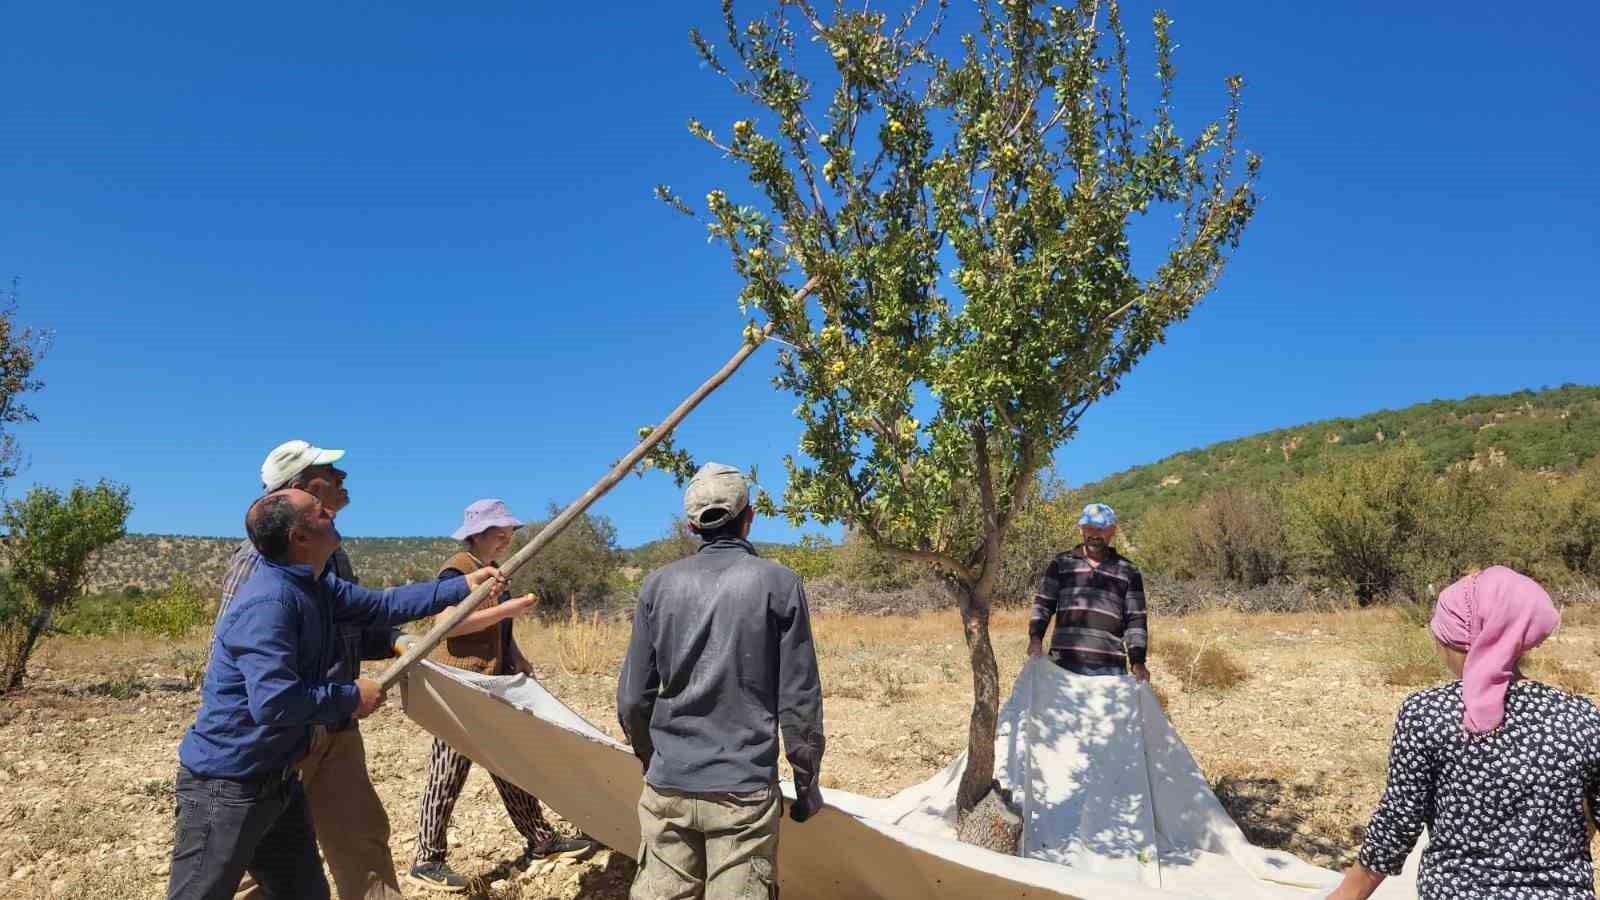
(483, 643)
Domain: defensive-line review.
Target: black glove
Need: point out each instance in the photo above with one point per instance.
(805, 804)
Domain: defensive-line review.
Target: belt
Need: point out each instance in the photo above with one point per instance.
(259, 781)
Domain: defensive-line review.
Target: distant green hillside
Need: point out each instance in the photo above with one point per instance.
(1549, 429)
(150, 560)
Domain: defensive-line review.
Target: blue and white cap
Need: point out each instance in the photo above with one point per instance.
(1099, 515)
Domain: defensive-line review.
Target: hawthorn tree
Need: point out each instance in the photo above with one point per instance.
(942, 246)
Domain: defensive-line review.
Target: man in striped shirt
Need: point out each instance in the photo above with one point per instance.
(1097, 599)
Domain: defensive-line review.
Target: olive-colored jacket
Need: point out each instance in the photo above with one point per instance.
(492, 651)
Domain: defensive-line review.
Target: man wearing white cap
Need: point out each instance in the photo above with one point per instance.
(351, 824)
(720, 661)
(1096, 596)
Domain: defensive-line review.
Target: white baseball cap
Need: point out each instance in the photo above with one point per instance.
(289, 459)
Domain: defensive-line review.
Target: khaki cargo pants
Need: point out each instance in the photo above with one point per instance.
(716, 846)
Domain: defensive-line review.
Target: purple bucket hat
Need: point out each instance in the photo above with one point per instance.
(482, 515)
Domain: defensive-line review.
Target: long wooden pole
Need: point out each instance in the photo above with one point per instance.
(460, 611)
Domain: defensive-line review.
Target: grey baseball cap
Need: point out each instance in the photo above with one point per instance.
(715, 495)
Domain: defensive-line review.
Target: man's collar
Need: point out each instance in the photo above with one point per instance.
(295, 570)
(298, 570)
(728, 544)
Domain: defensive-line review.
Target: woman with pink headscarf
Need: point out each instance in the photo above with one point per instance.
(1501, 769)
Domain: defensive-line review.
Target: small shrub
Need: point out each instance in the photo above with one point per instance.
(813, 557)
(868, 677)
(191, 666)
(158, 788)
(121, 687)
(173, 612)
(1204, 668)
(892, 687)
(97, 614)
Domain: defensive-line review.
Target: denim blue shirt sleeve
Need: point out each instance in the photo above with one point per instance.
(262, 641)
(270, 675)
(393, 606)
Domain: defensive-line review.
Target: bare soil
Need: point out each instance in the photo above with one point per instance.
(1296, 749)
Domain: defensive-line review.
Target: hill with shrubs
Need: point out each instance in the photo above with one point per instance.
(1392, 504)
(1554, 430)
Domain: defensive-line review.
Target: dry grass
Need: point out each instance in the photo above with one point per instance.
(1207, 667)
(1406, 657)
(1296, 750)
(1558, 674)
(587, 646)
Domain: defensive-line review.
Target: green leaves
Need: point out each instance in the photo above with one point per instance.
(1015, 167)
(50, 538)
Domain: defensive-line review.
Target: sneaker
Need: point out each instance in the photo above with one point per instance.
(556, 847)
(439, 876)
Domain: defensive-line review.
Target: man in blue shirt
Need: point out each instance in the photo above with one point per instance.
(351, 824)
(240, 803)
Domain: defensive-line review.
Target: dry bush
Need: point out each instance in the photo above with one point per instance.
(1208, 667)
(1186, 596)
(839, 594)
(866, 676)
(585, 645)
(1405, 655)
(1580, 607)
(1233, 535)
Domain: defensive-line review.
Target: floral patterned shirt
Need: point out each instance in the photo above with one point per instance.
(1504, 810)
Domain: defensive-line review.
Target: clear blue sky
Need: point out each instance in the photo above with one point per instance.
(425, 233)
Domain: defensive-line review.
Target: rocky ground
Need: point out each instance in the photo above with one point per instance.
(1296, 749)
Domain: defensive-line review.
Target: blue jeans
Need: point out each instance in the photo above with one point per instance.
(226, 827)
(1082, 668)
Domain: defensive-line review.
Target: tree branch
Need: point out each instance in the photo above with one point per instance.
(446, 621)
(992, 537)
(939, 560)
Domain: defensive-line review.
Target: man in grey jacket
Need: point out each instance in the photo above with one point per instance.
(720, 661)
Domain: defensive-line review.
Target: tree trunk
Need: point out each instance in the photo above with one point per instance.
(18, 666)
(973, 602)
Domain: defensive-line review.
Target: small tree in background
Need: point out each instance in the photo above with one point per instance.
(173, 611)
(20, 351)
(575, 570)
(1575, 521)
(1357, 525)
(944, 250)
(677, 542)
(49, 541)
(1232, 535)
(1389, 526)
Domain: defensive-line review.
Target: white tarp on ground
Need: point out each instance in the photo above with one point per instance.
(1113, 804)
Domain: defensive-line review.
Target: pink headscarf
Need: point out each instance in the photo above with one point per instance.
(1494, 616)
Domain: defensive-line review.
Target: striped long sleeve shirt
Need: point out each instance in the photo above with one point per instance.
(1099, 610)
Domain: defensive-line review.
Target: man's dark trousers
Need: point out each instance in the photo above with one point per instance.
(227, 826)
